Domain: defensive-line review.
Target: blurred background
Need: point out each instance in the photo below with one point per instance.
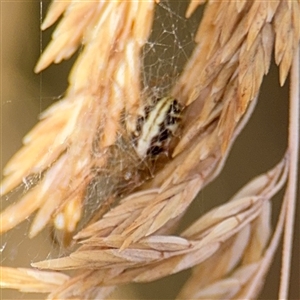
(24, 95)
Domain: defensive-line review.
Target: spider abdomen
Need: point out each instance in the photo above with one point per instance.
(155, 130)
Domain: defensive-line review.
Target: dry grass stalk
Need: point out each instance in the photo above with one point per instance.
(221, 79)
(291, 190)
(239, 269)
(29, 280)
(69, 127)
(230, 237)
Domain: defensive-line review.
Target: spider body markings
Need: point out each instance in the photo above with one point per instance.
(155, 129)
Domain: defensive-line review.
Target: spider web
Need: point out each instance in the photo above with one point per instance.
(164, 55)
(168, 48)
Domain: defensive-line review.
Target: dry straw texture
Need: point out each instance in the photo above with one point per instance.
(81, 138)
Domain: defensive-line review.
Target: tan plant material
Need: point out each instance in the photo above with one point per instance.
(29, 280)
(238, 270)
(80, 138)
(291, 190)
(72, 137)
(232, 237)
(35, 281)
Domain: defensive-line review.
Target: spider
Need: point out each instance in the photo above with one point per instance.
(155, 129)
